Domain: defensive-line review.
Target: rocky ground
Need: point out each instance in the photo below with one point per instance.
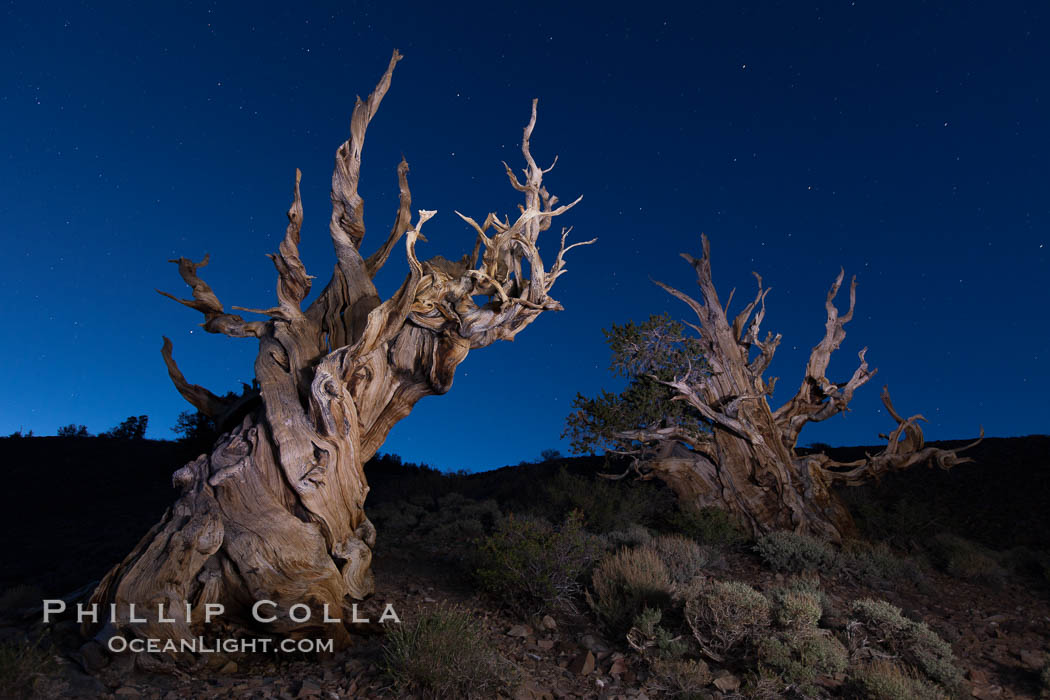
(1000, 636)
(999, 632)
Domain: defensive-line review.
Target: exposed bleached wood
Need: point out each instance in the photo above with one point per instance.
(276, 511)
(748, 462)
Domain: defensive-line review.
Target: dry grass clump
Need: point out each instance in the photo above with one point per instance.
(685, 559)
(884, 680)
(445, 653)
(628, 582)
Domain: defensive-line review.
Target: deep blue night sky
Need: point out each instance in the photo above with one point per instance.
(907, 142)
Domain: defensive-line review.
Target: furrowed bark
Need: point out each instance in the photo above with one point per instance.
(276, 510)
(747, 462)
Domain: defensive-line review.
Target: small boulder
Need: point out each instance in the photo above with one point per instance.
(1032, 659)
(309, 689)
(583, 664)
(726, 681)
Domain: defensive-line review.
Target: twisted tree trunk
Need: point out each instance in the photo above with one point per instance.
(747, 461)
(276, 511)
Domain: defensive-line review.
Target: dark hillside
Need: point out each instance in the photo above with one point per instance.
(1002, 499)
(84, 502)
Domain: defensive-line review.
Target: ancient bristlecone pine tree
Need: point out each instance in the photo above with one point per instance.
(719, 443)
(276, 511)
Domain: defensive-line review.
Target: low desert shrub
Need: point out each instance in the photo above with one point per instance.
(724, 615)
(884, 680)
(711, 526)
(531, 565)
(796, 552)
(649, 637)
(628, 582)
(606, 505)
(965, 559)
(800, 657)
(685, 559)
(633, 535)
(878, 562)
(1028, 562)
(396, 517)
(680, 678)
(445, 653)
(19, 598)
(796, 609)
(915, 643)
(901, 518)
(20, 667)
(807, 584)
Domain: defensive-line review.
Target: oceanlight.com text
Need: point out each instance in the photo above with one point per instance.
(200, 645)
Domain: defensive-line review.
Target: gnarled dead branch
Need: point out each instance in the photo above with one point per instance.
(276, 511)
(747, 460)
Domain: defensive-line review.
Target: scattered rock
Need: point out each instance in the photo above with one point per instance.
(987, 692)
(549, 623)
(618, 667)
(309, 689)
(545, 644)
(229, 667)
(519, 631)
(1032, 659)
(583, 664)
(726, 681)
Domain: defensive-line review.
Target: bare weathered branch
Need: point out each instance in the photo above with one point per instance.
(347, 226)
(898, 454)
(276, 510)
(293, 283)
(216, 320)
(203, 400)
(749, 464)
(402, 223)
(818, 399)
